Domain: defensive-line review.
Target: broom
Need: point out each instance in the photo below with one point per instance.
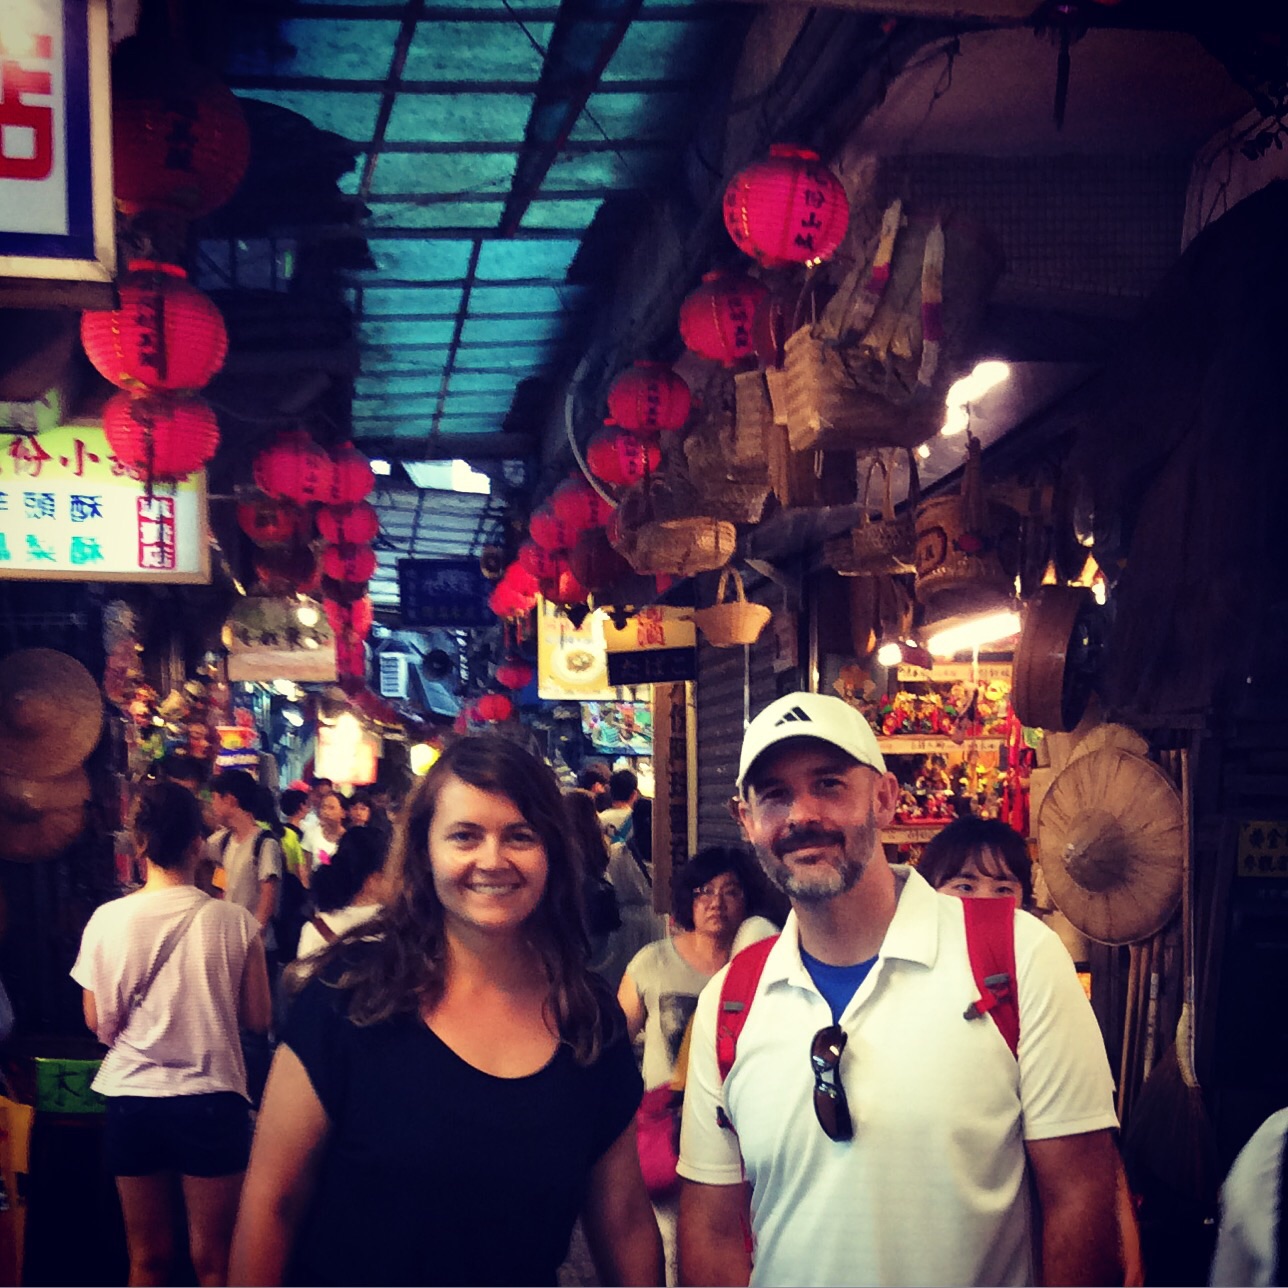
(1169, 1144)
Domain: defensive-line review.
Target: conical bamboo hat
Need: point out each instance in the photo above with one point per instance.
(1110, 842)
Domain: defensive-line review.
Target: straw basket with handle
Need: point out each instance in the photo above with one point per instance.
(659, 529)
(726, 625)
(884, 545)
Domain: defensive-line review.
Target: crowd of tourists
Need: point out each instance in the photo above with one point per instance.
(482, 1033)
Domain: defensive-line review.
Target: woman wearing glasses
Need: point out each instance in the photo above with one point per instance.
(710, 897)
(454, 1087)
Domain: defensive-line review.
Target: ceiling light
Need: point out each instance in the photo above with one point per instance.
(973, 632)
(380, 467)
(890, 654)
(307, 615)
(292, 717)
(895, 653)
(421, 755)
(448, 476)
(956, 419)
(971, 388)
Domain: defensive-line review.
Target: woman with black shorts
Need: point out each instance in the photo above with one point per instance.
(170, 975)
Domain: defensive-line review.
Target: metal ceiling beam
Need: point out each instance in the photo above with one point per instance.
(445, 13)
(462, 312)
(335, 85)
(411, 14)
(470, 233)
(497, 446)
(586, 36)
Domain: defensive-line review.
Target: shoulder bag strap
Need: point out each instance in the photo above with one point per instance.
(171, 943)
(322, 928)
(990, 944)
(736, 994)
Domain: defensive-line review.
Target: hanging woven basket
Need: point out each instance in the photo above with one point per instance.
(660, 527)
(727, 625)
(885, 545)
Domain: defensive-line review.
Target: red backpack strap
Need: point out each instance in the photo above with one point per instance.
(735, 999)
(990, 944)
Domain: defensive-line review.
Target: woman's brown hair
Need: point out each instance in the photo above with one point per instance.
(395, 964)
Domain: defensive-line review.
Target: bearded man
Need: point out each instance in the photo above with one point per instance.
(867, 1131)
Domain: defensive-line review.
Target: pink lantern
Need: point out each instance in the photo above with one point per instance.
(789, 209)
(620, 458)
(161, 437)
(541, 563)
(349, 562)
(514, 672)
(548, 532)
(717, 319)
(576, 503)
(519, 579)
(355, 524)
(351, 476)
(295, 468)
(649, 397)
(494, 707)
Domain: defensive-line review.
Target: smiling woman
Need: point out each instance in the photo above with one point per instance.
(455, 1048)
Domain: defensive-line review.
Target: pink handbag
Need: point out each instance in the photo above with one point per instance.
(657, 1137)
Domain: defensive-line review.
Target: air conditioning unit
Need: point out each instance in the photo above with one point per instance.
(393, 675)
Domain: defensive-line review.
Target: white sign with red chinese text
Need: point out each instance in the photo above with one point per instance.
(69, 510)
(56, 218)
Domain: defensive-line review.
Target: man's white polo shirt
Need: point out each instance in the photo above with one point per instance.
(932, 1188)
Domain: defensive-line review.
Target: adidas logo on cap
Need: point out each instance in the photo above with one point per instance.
(794, 714)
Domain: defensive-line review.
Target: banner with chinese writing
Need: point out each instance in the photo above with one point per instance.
(448, 593)
(56, 218)
(656, 645)
(69, 510)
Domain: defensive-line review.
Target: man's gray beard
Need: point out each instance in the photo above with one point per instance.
(860, 842)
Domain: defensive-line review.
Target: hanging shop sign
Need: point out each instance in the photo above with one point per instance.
(69, 510)
(1263, 849)
(448, 593)
(238, 747)
(657, 645)
(56, 216)
(572, 663)
(279, 638)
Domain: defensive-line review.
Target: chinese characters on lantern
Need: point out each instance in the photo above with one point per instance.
(70, 509)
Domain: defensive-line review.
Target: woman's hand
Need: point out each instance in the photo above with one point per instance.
(289, 1138)
(618, 1218)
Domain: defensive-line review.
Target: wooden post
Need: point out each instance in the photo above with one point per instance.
(675, 813)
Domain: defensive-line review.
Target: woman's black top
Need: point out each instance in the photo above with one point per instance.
(435, 1172)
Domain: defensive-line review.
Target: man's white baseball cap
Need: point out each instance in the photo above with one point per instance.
(810, 715)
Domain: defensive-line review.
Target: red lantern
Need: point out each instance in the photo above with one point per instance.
(295, 468)
(649, 396)
(161, 437)
(343, 592)
(179, 138)
(594, 563)
(287, 570)
(166, 334)
(543, 564)
(716, 319)
(520, 580)
(356, 617)
(565, 589)
(350, 655)
(789, 209)
(349, 562)
(268, 522)
(506, 601)
(514, 672)
(619, 458)
(548, 532)
(351, 476)
(576, 503)
(494, 707)
(351, 524)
